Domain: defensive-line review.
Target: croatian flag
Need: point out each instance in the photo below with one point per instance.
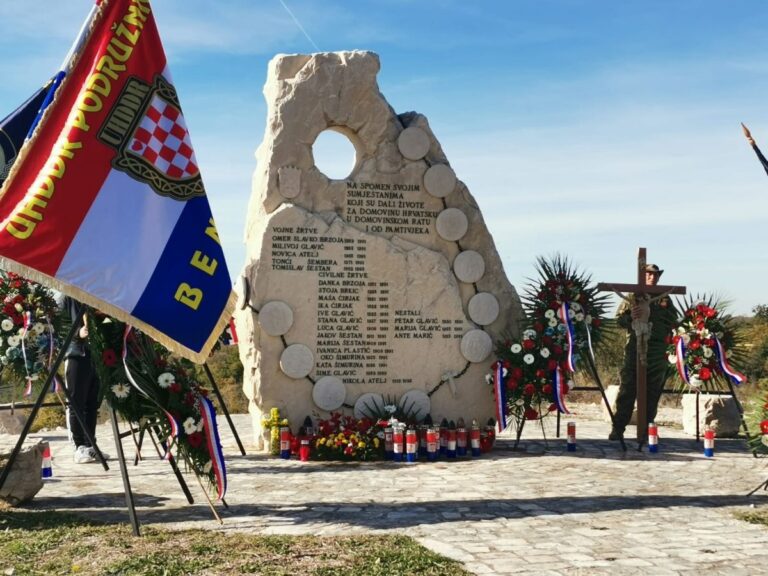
(105, 201)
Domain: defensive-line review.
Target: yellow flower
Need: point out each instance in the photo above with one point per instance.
(361, 445)
(274, 414)
(320, 441)
(376, 442)
(284, 422)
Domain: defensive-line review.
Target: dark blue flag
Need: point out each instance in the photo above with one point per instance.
(15, 127)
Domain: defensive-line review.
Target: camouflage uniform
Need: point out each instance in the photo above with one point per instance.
(663, 318)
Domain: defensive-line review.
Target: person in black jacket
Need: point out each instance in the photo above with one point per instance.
(82, 383)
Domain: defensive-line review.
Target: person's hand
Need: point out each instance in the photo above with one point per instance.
(83, 333)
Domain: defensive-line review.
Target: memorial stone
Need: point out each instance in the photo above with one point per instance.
(359, 290)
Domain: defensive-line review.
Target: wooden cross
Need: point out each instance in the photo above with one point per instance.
(642, 294)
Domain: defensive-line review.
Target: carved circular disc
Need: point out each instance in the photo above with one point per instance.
(328, 393)
(416, 402)
(452, 224)
(483, 308)
(469, 266)
(413, 143)
(476, 345)
(276, 318)
(369, 405)
(297, 361)
(440, 180)
(243, 292)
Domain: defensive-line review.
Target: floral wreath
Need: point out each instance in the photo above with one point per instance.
(29, 326)
(143, 383)
(705, 346)
(565, 320)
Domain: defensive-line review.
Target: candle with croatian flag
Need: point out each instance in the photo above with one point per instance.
(571, 436)
(285, 443)
(397, 442)
(411, 445)
(461, 438)
(304, 450)
(444, 436)
(474, 438)
(709, 443)
(653, 437)
(450, 444)
(389, 450)
(432, 440)
(46, 470)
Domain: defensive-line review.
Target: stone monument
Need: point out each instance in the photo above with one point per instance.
(382, 287)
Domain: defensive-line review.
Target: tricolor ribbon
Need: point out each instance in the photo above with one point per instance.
(500, 395)
(735, 375)
(171, 420)
(214, 445)
(27, 324)
(560, 391)
(565, 317)
(682, 369)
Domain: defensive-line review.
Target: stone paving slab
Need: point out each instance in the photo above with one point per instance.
(537, 510)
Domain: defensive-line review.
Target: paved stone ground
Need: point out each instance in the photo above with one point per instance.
(538, 510)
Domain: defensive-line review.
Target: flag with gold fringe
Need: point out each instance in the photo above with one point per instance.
(105, 201)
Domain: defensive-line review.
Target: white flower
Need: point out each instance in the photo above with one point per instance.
(695, 381)
(18, 307)
(207, 468)
(528, 358)
(515, 348)
(579, 317)
(686, 339)
(575, 306)
(519, 402)
(190, 426)
(588, 319)
(121, 390)
(6, 324)
(13, 341)
(544, 352)
(571, 313)
(529, 334)
(681, 331)
(166, 379)
(704, 333)
(707, 351)
(552, 322)
(672, 358)
(549, 313)
(38, 328)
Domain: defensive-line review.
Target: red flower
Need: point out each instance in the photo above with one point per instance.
(554, 305)
(539, 327)
(530, 414)
(189, 399)
(512, 384)
(517, 373)
(540, 373)
(710, 313)
(552, 365)
(108, 357)
(764, 426)
(552, 408)
(596, 322)
(546, 389)
(195, 439)
(175, 387)
(557, 350)
(529, 389)
(705, 374)
(529, 344)
(506, 364)
(547, 340)
(695, 344)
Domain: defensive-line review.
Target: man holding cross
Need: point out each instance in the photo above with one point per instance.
(658, 315)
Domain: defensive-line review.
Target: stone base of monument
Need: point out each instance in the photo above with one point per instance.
(612, 392)
(11, 423)
(24, 480)
(716, 411)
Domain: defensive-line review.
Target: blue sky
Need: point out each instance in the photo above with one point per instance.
(585, 127)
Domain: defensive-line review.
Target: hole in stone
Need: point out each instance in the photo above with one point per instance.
(334, 154)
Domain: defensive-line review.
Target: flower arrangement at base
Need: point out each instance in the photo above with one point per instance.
(29, 326)
(565, 320)
(705, 346)
(159, 391)
(757, 420)
(346, 438)
(273, 424)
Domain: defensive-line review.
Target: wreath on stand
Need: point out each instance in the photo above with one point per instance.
(145, 384)
(705, 347)
(565, 321)
(30, 325)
